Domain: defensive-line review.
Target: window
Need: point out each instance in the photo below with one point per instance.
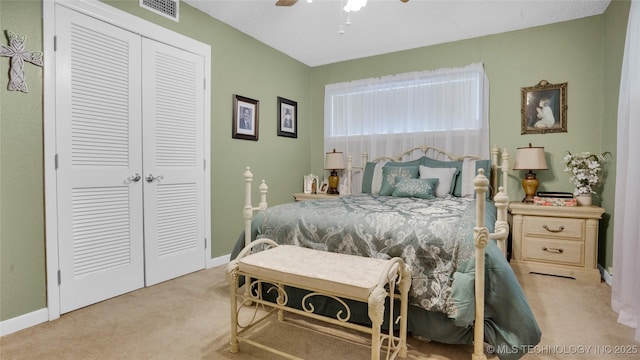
(447, 108)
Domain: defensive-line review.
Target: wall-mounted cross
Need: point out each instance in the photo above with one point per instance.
(18, 56)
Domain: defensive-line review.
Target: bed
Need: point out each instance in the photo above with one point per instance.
(445, 229)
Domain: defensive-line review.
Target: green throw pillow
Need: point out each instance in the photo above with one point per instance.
(367, 177)
(420, 188)
(369, 172)
(390, 175)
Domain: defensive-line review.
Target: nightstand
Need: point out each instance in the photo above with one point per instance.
(556, 240)
(305, 196)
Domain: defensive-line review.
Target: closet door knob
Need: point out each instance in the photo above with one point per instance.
(150, 177)
(135, 177)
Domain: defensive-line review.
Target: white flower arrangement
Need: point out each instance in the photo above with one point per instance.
(584, 170)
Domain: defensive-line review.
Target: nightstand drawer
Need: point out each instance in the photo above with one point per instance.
(556, 251)
(553, 227)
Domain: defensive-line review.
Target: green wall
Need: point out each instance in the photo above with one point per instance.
(239, 65)
(586, 53)
(22, 248)
(615, 28)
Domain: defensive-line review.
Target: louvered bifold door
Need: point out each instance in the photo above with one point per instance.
(173, 149)
(99, 159)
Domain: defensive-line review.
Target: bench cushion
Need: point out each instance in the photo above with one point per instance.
(345, 275)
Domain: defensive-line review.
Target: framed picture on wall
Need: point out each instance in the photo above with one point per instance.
(287, 118)
(544, 108)
(245, 118)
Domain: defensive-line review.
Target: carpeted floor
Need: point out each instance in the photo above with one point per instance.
(188, 318)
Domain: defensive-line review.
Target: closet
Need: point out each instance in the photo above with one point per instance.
(130, 166)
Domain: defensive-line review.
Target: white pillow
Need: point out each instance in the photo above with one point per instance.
(376, 180)
(445, 176)
(468, 175)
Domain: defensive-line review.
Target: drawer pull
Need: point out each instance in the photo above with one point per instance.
(553, 230)
(553, 250)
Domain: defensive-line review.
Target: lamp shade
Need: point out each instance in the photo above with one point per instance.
(334, 161)
(530, 158)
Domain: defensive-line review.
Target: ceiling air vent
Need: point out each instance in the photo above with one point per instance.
(167, 8)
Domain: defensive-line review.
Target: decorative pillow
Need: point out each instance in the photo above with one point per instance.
(460, 165)
(391, 173)
(372, 174)
(416, 162)
(468, 175)
(433, 163)
(420, 188)
(367, 177)
(445, 176)
(376, 182)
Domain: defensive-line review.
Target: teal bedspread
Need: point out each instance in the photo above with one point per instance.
(435, 237)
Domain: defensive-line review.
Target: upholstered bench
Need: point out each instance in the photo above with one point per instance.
(337, 276)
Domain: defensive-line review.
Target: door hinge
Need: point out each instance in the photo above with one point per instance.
(55, 160)
(59, 277)
(205, 243)
(204, 167)
(204, 83)
(55, 43)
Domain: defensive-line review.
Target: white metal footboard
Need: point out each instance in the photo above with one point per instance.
(500, 199)
(481, 236)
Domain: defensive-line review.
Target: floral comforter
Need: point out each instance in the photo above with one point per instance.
(435, 237)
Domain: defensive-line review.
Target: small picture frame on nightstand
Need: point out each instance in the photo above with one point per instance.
(324, 187)
(310, 184)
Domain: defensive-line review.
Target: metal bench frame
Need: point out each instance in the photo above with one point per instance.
(395, 276)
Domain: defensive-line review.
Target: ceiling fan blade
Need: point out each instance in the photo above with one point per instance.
(286, 2)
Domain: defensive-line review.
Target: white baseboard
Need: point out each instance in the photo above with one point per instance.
(40, 316)
(24, 321)
(606, 276)
(220, 260)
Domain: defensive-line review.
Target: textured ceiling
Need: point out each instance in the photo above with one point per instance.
(310, 32)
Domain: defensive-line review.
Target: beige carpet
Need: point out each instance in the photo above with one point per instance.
(188, 318)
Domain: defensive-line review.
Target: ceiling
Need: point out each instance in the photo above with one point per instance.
(310, 32)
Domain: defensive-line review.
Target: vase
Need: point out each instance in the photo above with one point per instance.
(584, 199)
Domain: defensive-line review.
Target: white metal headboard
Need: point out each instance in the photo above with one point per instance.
(439, 154)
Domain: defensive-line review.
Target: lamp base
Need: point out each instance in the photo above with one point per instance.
(334, 180)
(530, 186)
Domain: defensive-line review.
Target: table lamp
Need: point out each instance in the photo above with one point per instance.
(530, 158)
(334, 161)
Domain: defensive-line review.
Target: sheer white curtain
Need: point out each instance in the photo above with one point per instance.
(447, 108)
(625, 296)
